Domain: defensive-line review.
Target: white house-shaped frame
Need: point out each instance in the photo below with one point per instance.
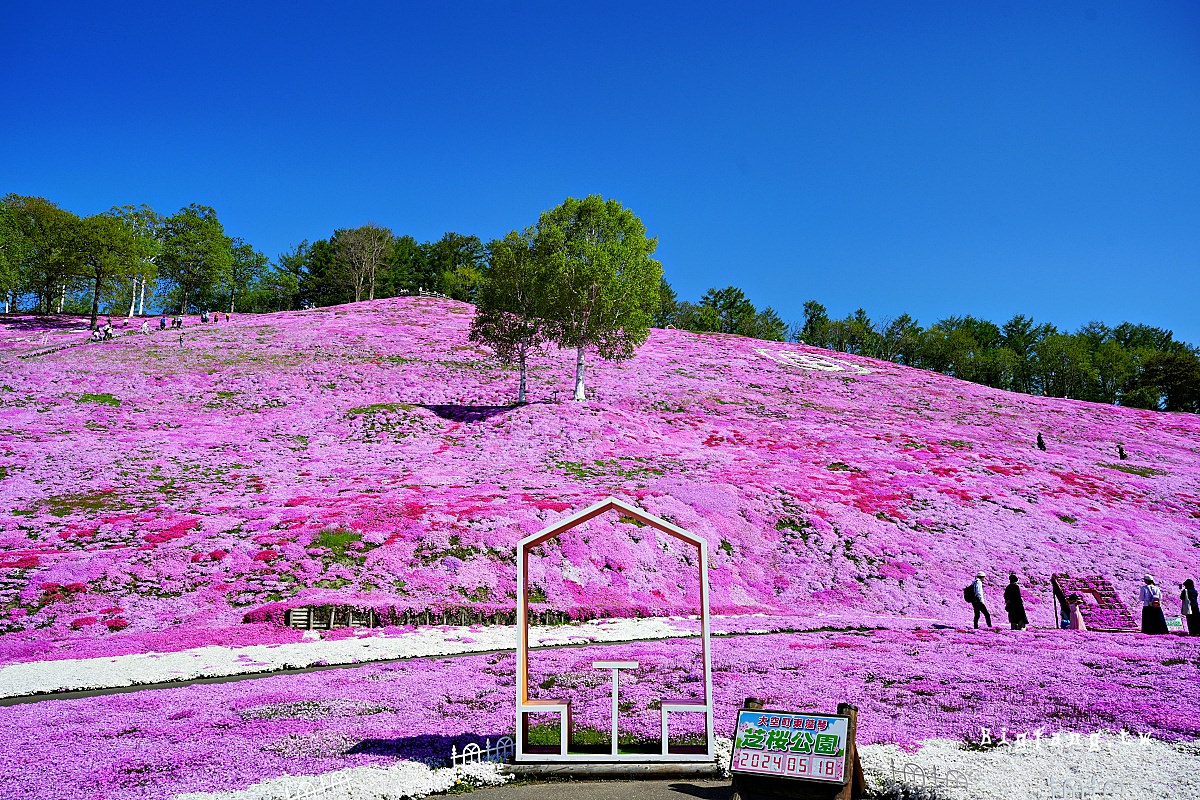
(526, 705)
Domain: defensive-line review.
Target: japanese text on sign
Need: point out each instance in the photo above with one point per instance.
(805, 746)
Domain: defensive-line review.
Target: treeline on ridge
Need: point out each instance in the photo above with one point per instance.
(133, 260)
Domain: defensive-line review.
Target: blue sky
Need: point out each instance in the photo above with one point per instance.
(931, 157)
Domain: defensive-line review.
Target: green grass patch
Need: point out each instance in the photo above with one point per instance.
(88, 502)
(1068, 519)
(609, 468)
(340, 543)
(378, 408)
(104, 399)
(1143, 472)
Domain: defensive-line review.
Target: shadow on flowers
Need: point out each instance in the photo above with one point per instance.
(457, 413)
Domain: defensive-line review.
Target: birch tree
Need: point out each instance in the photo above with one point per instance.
(510, 312)
(147, 228)
(603, 285)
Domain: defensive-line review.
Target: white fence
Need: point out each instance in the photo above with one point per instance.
(474, 754)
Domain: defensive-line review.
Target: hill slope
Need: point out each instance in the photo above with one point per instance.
(366, 453)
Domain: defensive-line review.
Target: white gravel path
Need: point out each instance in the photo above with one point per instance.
(214, 661)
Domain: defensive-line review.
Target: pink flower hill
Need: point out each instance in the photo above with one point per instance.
(157, 494)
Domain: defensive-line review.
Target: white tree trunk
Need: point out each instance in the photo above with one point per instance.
(142, 301)
(133, 297)
(521, 389)
(62, 299)
(579, 393)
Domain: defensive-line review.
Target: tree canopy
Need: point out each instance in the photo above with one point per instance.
(603, 284)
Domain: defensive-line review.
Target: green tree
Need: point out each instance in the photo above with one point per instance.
(405, 270)
(104, 248)
(1062, 367)
(668, 306)
(1021, 335)
(768, 325)
(816, 325)
(734, 312)
(48, 267)
(323, 283)
(1175, 378)
(284, 278)
(900, 340)
(605, 287)
(246, 268)
(195, 253)
(14, 250)
(455, 265)
(511, 308)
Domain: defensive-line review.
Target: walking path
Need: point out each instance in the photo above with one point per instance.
(64, 679)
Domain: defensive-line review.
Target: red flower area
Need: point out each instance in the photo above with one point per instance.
(83, 622)
(266, 555)
(116, 623)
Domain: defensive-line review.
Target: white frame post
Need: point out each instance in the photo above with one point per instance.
(525, 705)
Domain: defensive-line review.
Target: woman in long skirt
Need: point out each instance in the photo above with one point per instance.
(1153, 620)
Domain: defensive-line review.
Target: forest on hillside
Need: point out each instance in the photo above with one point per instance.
(134, 260)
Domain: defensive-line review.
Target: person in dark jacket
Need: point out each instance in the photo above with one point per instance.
(1189, 607)
(1014, 605)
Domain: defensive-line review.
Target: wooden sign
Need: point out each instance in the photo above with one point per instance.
(796, 754)
(784, 744)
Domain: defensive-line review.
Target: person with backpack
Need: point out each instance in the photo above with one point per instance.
(1153, 620)
(1015, 605)
(973, 594)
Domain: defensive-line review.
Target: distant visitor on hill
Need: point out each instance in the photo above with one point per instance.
(977, 600)
(1153, 620)
(1075, 606)
(1015, 605)
(1188, 606)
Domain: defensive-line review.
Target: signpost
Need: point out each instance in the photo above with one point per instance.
(796, 754)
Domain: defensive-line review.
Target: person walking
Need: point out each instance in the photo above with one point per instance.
(1189, 607)
(977, 603)
(1015, 605)
(1153, 620)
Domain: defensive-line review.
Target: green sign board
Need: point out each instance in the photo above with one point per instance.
(783, 744)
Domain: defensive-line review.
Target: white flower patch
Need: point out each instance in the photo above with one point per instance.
(407, 779)
(811, 361)
(38, 677)
(1123, 767)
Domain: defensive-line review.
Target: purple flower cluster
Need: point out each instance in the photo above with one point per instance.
(910, 686)
(367, 455)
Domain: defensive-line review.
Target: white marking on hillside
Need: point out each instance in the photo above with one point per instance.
(811, 361)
